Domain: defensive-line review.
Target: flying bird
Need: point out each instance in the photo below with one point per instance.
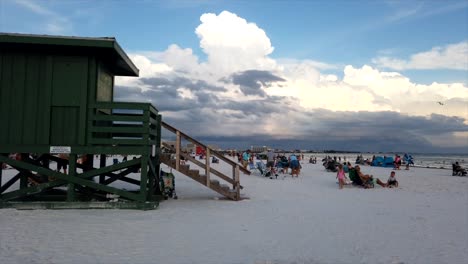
(440, 103)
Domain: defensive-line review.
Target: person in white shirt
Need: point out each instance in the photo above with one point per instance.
(391, 182)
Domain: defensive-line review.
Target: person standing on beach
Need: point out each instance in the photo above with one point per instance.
(294, 164)
(245, 158)
(340, 175)
(270, 158)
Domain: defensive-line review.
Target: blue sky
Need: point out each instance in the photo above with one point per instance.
(392, 58)
(336, 32)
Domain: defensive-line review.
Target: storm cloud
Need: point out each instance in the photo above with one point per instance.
(252, 82)
(240, 97)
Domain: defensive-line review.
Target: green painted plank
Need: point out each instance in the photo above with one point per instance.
(30, 100)
(84, 104)
(111, 168)
(120, 105)
(128, 130)
(57, 205)
(106, 149)
(64, 126)
(64, 178)
(92, 82)
(44, 99)
(16, 98)
(5, 92)
(115, 117)
(69, 80)
(99, 141)
(71, 196)
(144, 178)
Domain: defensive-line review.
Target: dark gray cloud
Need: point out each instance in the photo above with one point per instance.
(238, 124)
(353, 131)
(173, 83)
(252, 82)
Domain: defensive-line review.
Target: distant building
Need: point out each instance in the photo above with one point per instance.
(190, 148)
(257, 149)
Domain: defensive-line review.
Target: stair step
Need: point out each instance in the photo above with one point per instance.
(165, 156)
(225, 186)
(214, 182)
(215, 185)
(184, 168)
(194, 173)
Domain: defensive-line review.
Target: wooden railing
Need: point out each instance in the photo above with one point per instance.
(122, 123)
(209, 153)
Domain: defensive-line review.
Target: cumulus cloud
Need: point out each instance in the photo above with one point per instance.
(242, 97)
(453, 56)
(233, 44)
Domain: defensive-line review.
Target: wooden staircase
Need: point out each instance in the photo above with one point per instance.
(223, 184)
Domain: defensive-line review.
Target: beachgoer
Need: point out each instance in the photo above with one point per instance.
(391, 182)
(270, 159)
(340, 175)
(365, 178)
(245, 158)
(62, 163)
(458, 170)
(397, 162)
(294, 164)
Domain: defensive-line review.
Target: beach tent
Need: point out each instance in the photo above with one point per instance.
(388, 162)
(378, 161)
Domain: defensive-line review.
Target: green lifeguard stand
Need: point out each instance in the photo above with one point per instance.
(56, 96)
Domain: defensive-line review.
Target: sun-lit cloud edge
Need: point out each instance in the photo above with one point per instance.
(240, 90)
(451, 56)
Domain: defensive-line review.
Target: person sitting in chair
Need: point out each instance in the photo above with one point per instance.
(458, 170)
(367, 180)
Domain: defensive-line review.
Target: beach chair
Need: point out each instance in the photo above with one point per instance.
(252, 166)
(266, 171)
(354, 177)
(261, 167)
(167, 183)
(457, 170)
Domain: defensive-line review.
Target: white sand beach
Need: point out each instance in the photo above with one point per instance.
(301, 220)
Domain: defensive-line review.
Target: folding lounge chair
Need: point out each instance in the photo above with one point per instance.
(252, 167)
(264, 170)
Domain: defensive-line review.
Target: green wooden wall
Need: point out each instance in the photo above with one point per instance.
(24, 99)
(43, 98)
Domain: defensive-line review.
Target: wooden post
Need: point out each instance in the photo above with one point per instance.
(72, 172)
(102, 164)
(151, 178)
(207, 169)
(24, 176)
(236, 181)
(177, 150)
(144, 178)
(158, 155)
(1, 169)
(45, 164)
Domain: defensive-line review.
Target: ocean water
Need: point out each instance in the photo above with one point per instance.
(443, 161)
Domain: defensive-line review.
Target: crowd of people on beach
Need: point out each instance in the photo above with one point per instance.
(346, 173)
(275, 163)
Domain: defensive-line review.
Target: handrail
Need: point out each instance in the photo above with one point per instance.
(122, 123)
(235, 181)
(216, 153)
(200, 164)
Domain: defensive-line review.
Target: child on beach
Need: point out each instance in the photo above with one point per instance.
(391, 182)
(340, 175)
